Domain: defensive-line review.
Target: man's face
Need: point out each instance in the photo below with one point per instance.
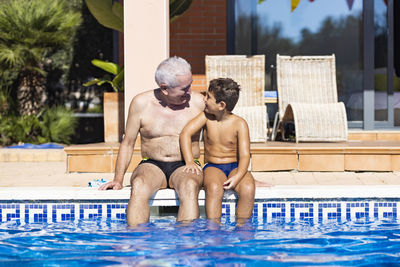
(180, 94)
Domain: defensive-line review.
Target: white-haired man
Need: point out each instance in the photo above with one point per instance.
(159, 116)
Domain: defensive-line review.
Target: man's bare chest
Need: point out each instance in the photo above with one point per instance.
(164, 122)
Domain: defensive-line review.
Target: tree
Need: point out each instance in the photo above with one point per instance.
(31, 31)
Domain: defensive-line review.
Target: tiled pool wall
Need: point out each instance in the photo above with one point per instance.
(264, 210)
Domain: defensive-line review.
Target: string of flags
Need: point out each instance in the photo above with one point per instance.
(295, 3)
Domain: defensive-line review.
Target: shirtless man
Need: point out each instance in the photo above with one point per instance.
(159, 116)
(226, 150)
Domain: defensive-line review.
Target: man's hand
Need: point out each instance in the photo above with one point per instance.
(193, 168)
(231, 182)
(111, 185)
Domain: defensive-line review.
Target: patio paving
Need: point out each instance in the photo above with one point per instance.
(43, 174)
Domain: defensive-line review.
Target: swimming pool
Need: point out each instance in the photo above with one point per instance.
(88, 227)
(163, 242)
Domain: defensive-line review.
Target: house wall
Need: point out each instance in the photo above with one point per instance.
(146, 44)
(200, 31)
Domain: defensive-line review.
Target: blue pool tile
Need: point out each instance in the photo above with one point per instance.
(302, 211)
(330, 211)
(36, 213)
(63, 212)
(90, 211)
(274, 211)
(228, 209)
(9, 212)
(357, 210)
(385, 210)
(262, 211)
(116, 211)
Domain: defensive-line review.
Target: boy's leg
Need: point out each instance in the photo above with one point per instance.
(214, 179)
(246, 191)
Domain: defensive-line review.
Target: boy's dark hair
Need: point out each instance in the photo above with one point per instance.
(225, 89)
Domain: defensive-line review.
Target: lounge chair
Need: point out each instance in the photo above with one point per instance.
(249, 73)
(307, 96)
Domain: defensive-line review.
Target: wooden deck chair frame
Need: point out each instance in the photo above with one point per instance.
(307, 96)
(249, 73)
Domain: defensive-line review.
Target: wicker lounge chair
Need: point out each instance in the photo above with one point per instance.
(307, 96)
(248, 72)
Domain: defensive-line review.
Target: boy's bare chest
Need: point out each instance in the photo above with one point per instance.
(223, 133)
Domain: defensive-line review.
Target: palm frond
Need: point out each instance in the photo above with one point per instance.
(30, 28)
(37, 23)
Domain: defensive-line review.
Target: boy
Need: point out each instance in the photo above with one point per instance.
(226, 149)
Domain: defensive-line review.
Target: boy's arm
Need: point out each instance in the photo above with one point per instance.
(185, 141)
(244, 155)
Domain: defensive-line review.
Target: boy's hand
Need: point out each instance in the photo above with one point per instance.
(231, 182)
(193, 168)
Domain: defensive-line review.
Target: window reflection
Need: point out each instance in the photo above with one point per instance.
(314, 28)
(380, 75)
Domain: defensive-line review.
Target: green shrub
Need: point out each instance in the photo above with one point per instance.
(58, 124)
(52, 125)
(5, 101)
(19, 129)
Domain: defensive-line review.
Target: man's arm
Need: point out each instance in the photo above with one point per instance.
(244, 155)
(185, 141)
(127, 145)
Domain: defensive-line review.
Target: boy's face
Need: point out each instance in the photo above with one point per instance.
(211, 104)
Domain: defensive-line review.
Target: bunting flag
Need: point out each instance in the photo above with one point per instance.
(350, 4)
(295, 3)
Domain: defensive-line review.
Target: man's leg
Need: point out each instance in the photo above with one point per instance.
(145, 181)
(214, 180)
(187, 185)
(246, 191)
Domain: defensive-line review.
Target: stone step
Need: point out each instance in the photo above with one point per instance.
(32, 155)
(270, 156)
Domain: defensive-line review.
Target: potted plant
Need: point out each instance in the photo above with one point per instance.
(113, 102)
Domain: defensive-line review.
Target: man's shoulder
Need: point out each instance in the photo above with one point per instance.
(197, 100)
(145, 94)
(143, 97)
(197, 95)
(141, 101)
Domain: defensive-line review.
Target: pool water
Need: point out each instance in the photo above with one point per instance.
(164, 242)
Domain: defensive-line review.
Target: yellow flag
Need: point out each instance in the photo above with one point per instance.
(295, 3)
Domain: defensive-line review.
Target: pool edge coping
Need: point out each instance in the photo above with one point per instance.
(283, 192)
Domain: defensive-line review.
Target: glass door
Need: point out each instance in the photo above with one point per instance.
(361, 33)
(384, 90)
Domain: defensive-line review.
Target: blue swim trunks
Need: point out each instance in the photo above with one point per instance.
(225, 168)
